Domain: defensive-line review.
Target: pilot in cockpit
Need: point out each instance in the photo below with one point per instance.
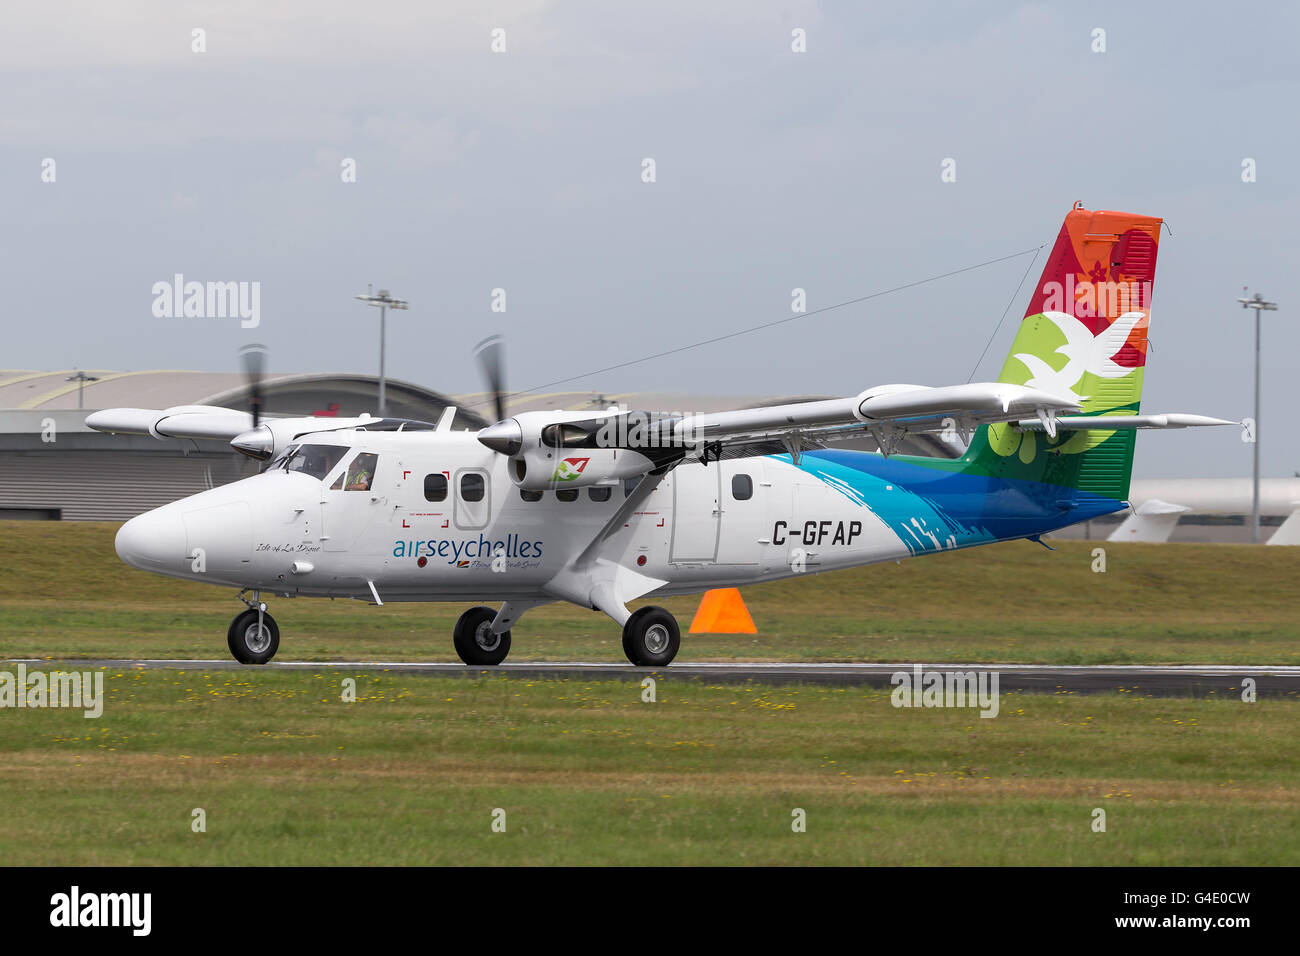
(360, 473)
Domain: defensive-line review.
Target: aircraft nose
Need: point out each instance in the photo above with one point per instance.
(151, 541)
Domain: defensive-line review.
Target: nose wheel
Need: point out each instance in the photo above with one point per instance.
(254, 637)
(651, 637)
(474, 640)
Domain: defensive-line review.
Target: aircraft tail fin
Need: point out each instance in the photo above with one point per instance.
(1084, 334)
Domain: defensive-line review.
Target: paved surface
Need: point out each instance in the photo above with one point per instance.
(1179, 680)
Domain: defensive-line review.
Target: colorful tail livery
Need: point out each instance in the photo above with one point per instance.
(1083, 335)
(1083, 343)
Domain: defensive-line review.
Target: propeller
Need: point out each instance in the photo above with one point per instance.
(253, 358)
(491, 357)
(505, 435)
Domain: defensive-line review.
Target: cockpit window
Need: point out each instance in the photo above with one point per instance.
(361, 473)
(314, 460)
(279, 460)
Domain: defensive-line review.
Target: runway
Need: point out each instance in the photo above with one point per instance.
(1158, 681)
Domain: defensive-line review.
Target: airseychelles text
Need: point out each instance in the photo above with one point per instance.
(511, 546)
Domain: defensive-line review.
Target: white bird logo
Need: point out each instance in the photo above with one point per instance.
(1084, 352)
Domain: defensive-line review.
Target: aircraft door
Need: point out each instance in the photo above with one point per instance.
(744, 505)
(696, 514)
(351, 500)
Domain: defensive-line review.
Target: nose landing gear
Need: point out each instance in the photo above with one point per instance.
(254, 636)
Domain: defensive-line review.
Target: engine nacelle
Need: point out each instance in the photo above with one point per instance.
(578, 449)
(541, 469)
(258, 443)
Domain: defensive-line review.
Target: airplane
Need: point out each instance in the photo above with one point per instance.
(600, 508)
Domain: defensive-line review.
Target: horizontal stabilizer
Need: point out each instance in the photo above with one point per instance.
(1118, 422)
(1153, 522)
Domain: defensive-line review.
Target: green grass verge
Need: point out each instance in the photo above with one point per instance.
(587, 773)
(65, 594)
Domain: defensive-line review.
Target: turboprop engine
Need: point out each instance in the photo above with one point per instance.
(575, 449)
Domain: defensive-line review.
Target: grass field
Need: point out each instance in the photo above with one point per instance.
(64, 593)
(287, 772)
(410, 773)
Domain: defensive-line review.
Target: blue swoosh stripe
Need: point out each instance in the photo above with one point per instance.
(933, 509)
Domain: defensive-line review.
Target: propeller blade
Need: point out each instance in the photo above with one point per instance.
(253, 358)
(491, 356)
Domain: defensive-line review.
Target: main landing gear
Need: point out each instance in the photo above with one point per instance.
(474, 640)
(651, 637)
(254, 636)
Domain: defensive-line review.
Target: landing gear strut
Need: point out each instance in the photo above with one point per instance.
(254, 636)
(474, 640)
(651, 637)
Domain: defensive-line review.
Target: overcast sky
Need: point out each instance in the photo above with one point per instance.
(522, 170)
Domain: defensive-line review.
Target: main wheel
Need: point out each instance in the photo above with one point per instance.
(651, 637)
(474, 640)
(249, 644)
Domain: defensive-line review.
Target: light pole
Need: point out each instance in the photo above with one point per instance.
(81, 378)
(385, 302)
(1257, 303)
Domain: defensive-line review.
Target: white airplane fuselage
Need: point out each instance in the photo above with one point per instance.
(292, 534)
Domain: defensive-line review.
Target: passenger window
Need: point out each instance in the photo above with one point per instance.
(567, 494)
(599, 493)
(361, 473)
(435, 487)
(473, 507)
(742, 487)
(527, 495)
(471, 487)
(315, 460)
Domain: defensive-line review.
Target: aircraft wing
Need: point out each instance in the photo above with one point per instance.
(182, 421)
(887, 413)
(228, 424)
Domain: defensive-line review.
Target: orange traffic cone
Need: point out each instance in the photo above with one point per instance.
(723, 611)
